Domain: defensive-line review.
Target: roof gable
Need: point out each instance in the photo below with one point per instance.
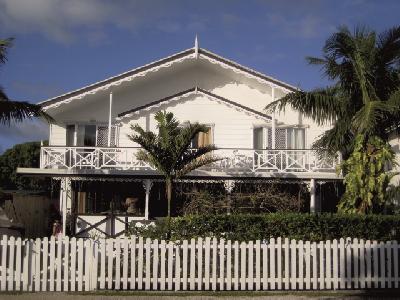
(192, 91)
(189, 54)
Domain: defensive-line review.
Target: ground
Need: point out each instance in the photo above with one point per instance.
(120, 295)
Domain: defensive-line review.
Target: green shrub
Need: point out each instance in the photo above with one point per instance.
(241, 227)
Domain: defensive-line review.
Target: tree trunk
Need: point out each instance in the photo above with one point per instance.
(168, 191)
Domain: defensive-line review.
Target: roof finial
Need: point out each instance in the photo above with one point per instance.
(196, 47)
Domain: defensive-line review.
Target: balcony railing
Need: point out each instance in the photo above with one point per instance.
(232, 160)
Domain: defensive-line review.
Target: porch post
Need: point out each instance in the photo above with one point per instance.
(229, 185)
(147, 184)
(312, 195)
(273, 121)
(109, 121)
(65, 201)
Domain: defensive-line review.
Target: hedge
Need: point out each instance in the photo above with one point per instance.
(311, 227)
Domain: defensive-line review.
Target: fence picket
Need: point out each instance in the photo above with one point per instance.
(95, 263)
(155, 264)
(192, 264)
(342, 264)
(279, 262)
(133, 262)
(110, 263)
(207, 264)
(287, 265)
(388, 247)
(250, 266)
(162, 265)
(170, 265)
(117, 277)
(87, 263)
(125, 264)
(335, 261)
(376, 264)
(11, 251)
(18, 245)
(355, 262)
(321, 265)
(38, 252)
(271, 247)
(66, 263)
(4, 248)
(264, 248)
(258, 271)
(328, 277)
(200, 264)
(25, 269)
(307, 258)
(140, 264)
(102, 263)
(243, 248)
(73, 263)
(147, 263)
(301, 265)
(382, 264)
(214, 264)
(222, 265)
(314, 266)
(177, 267)
(396, 264)
(368, 255)
(362, 275)
(80, 250)
(185, 261)
(293, 274)
(52, 264)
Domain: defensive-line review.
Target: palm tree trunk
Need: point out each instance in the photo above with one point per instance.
(168, 191)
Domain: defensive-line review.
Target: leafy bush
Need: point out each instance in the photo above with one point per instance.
(241, 227)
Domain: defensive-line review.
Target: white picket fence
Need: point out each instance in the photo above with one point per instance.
(71, 264)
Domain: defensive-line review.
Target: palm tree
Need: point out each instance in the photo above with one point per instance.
(16, 110)
(169, 151)
(364, 97)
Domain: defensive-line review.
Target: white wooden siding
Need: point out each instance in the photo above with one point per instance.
(57, 135)
(232, 128)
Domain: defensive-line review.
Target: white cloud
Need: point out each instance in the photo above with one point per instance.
(60, 19)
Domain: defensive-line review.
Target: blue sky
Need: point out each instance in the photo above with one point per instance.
(61, 45)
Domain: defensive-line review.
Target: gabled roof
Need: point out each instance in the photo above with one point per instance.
(192, 91)
(192, 53)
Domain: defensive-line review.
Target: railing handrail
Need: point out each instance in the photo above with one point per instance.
(218, 148)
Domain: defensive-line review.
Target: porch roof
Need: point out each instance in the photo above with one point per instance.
(194, 175)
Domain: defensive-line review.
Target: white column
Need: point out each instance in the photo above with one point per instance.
(273, 120)
(147, 184)
(312, 195)
(109, 120)
(65, 196)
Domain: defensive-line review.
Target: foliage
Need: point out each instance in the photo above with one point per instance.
(365, 177)
(265, 198)
(169, 151)
(365, 95)
(244, 227)
(21, 155)
(16, 110)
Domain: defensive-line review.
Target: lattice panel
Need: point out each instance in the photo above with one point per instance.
(102, 136)
(269, 137)
(280, 138)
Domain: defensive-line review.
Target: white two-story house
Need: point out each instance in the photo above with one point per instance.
(90, 153)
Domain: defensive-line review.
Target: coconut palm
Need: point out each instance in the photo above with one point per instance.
(16, 110)
(169, 151)
(364, 97)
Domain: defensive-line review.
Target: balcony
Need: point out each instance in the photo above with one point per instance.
(232, 160)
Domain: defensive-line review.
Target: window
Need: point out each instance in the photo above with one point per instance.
(202, 139)
(295, 138)
(285, 138)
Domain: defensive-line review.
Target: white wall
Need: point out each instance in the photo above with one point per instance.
(170, 81)
(232, 128)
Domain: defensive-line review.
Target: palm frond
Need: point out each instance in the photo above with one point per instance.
(195, 164)
(4, 46)
(19, 111)
(321, 105)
